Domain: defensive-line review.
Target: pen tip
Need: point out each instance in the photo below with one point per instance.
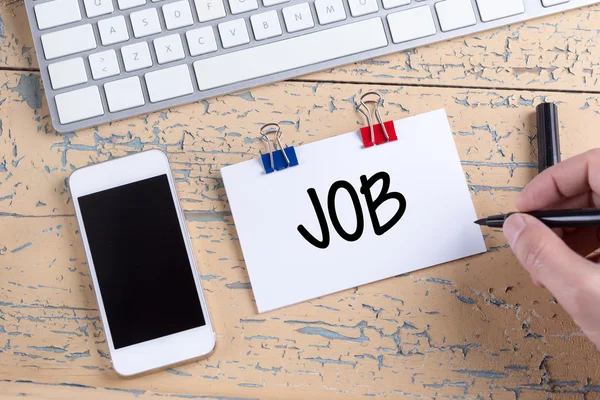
(481, 221)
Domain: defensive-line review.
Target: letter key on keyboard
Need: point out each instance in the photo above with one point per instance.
(113, 30)
(177, 14)
(95, 8)
(266, 25)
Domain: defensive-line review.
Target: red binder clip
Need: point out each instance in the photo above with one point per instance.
(375, 134)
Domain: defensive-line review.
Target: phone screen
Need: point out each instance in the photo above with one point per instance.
(141, 263)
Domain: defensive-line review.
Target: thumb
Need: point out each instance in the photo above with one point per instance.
(573, 280)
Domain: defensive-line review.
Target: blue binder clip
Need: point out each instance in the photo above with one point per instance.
(278, 159)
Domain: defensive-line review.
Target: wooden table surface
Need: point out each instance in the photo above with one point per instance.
(475, 328)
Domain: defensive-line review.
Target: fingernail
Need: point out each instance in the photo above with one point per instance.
(513, 227)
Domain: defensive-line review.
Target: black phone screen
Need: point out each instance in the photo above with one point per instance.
(141, 263)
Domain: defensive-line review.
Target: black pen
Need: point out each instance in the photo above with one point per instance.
(551, 218)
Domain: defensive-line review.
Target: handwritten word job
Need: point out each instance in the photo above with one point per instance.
(372, 206)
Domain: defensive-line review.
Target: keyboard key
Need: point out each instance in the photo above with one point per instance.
(136, 56)
(168, 48)
(177, 14)
(201, 41)
(298, 17)
(67, 73)
(145, 22)
(209, 9)
(491, 10)
(124, 94)
(104, 64)
(329, 11)
(68, 41)
(125, 4)
(79, 105)
(113, 30)
(266, 25)
(455, 14)
(233, 33)
(240, 6)
(550, 3)
(95, 8)
(362, 7)
(268, 3)
(411, 24)
(57, 13)
(290, 54)
(169, 83)
(387, 4)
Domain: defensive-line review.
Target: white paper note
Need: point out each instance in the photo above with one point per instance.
(424, 170)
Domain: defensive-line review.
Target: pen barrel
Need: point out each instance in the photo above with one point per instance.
(569, 218)
(548, 136)
(577, 218)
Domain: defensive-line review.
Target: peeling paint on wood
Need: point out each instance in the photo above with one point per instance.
(468, 329)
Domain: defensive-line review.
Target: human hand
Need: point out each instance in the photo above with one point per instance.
(556, 259)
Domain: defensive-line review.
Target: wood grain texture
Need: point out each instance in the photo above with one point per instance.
(474, 327)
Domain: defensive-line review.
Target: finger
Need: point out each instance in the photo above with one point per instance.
(566, 179)
(538, 248)
(573, 280)
(582, 240)
(582, 200)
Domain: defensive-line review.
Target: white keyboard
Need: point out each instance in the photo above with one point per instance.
(103, 60)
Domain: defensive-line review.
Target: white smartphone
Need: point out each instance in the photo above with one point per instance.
(142, 263)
